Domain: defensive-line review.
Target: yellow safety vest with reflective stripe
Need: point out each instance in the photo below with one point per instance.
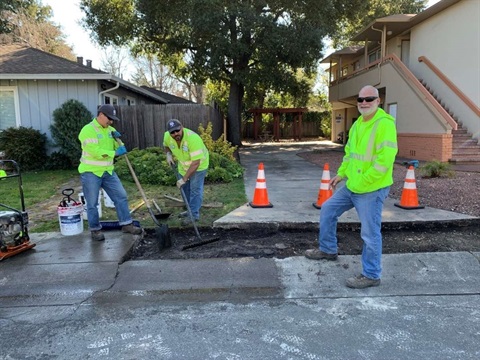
(191, 148)
(98, 148)
(370, 153)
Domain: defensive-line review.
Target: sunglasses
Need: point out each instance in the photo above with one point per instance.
(174, 132)
(367, 99)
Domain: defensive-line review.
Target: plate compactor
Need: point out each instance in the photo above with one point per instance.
(14, 237)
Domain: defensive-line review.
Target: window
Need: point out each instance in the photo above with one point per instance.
(130, 101)
(392, 110)
(373, 56)
(110, 99)
(345, 71)
(9, 110)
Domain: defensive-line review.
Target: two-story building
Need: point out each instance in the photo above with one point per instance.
(427, 70)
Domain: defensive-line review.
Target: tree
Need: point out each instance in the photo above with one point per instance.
(242, 43)
(367, 12)
(28, 22)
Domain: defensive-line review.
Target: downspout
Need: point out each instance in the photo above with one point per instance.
(106, 91)
(382, 52)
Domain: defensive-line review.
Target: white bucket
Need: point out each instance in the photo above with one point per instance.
(107, 201)
(81, 198)
(70, 219)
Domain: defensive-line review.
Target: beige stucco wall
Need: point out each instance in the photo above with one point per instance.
(451, 41)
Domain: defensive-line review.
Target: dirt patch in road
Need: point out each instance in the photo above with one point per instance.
(447, 193)
(282, 244)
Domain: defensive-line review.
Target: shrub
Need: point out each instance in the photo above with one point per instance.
(219, 146)
(435, 168)
(151, 167)
(58, 161)
(68, 120)
(26, 146)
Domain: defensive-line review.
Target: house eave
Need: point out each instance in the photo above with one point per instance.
(84, 77)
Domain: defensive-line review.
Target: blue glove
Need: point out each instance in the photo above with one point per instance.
(116, 134)
(121, 151)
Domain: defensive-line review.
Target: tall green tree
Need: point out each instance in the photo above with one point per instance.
(243, 43)
(369, 10)
(29, 22)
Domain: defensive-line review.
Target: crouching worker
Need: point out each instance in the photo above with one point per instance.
(99, 147)
(193, 159)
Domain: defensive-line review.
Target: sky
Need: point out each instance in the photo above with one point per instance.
(67, 14)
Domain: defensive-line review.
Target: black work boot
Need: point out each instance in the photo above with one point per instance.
(317, 254)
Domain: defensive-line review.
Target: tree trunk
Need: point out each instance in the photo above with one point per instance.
(234, 119)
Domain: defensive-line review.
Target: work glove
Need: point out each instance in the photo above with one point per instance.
(180, 183)
(121, 151)
(116, 134)
(170, 159)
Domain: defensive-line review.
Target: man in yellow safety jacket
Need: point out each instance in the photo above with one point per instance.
(99, 147)
(367, 167)
(193, 159)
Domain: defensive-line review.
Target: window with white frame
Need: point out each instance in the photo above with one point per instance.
(9, 108)
(110, 99)
(130, 101)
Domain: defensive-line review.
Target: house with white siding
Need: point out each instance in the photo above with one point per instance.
(34, 83)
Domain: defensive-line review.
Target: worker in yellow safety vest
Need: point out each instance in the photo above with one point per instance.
(367, 167)
(193, 159)
(99, 148)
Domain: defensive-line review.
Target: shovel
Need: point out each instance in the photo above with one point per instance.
(199, 240)
(162, 234)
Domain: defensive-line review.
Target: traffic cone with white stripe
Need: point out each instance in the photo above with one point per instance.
(260, 197)
(325, 191)
(409, 199)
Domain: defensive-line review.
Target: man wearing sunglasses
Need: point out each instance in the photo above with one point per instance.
(99, 148)
(367, 168)
(193, 159)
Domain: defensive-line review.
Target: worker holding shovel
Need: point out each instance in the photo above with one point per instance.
(193, 159)
(99, 147)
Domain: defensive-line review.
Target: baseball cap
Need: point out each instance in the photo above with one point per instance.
(109, 111)
(173, 125)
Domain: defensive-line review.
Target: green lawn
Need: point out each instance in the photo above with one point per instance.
(40, 186)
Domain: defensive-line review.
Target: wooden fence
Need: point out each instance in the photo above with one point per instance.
(143, 126)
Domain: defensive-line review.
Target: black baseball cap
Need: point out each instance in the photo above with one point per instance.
(109, 111)
(173, 125)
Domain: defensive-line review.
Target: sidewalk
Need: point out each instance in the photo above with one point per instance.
(73, 269)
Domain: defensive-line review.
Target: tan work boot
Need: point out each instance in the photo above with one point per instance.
(131, 229)
(97, 235)
(362, 282)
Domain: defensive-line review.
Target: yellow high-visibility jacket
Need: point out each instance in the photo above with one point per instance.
(191, 148)
(370, 153)
(98, 148)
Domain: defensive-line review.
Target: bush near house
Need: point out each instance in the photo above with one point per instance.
(68, 121)
(26, 146)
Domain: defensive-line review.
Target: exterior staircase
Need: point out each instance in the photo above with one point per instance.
(465, 149)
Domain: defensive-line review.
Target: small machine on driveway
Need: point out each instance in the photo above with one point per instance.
(14, 237)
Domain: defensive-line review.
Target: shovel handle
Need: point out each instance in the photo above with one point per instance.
(144, 197)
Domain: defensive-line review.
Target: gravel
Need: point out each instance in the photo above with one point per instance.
(459, 193)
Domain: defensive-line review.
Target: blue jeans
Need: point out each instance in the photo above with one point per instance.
(369, 209)
(193, 189)
(112, 185)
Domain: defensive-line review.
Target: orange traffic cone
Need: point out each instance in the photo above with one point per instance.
(260, 197)
(409, 199)
(325, 191)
